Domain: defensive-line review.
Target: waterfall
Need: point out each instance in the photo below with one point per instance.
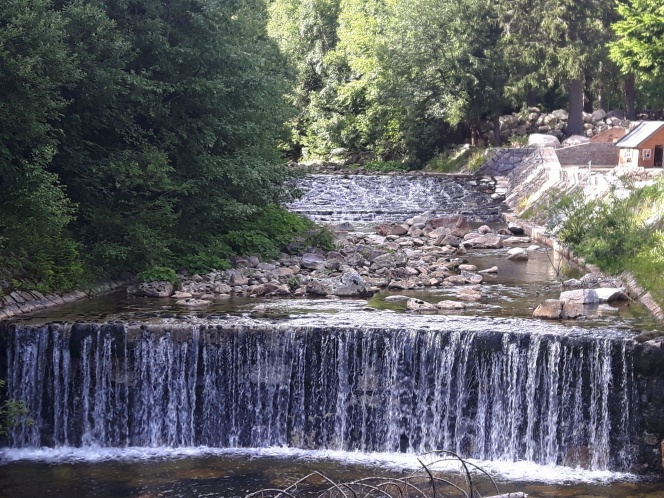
(490, 394)
(392, 198)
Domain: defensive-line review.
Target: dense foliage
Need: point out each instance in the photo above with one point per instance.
(402, 79)
(142, 135)
(137, 134)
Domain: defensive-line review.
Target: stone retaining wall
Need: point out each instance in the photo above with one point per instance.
(20, 302)
(538, 234)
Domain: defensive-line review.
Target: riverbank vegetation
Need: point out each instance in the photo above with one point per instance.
(138, 134)
(144, 134)
(622, 231)
(404, 79)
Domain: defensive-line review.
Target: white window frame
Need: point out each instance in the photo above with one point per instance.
(646, 153)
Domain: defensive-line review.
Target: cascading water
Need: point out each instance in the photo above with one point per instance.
(387, 198)
(482, 390)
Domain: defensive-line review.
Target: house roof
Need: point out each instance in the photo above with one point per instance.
(639, 134)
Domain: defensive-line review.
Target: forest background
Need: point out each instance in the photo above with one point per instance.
(149, 136)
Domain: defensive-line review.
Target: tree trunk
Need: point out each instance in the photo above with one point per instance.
(497, 142)
(531, 98)
(575, 119)
(630, 110)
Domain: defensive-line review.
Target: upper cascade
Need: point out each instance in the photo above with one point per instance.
(394, 198)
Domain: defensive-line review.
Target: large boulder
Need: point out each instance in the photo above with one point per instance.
(488, 241)
(349, 284)
(517, 254)
(551, 309)
(451, 305)
(456, 221)
(575, 140)
(392, 229)
(313, 261)
(579, 296)
(160, 288)
(607, 294)
(542, 140)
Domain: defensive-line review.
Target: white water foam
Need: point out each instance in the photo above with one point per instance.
(398, 462)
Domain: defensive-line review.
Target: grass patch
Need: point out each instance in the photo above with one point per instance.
(623, 230)
(464, 159)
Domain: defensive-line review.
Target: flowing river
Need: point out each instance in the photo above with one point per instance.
(130, 397)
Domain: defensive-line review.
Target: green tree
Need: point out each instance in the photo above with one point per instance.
(172, 133)
(34, 211)
(555, 42)
(640, 44)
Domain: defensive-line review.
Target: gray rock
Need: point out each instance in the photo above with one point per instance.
(154, 289)
(493, 269)
(448, 240)
(236, 277)
(451, 305)
(573, 283)
(598, 115)
(517, 254)
(575, 140)
(350, 284)
(193, 303)
(579, 296)
(607, 295)
(466, 267)
(312, 261)
(541, 140)
(386, 260)
(488, 241)
(392, 229)
(414, 304)
(396, 298)
(510, 241)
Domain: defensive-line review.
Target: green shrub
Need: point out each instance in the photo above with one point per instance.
(386, 166)
(159, 273)
(618, 232)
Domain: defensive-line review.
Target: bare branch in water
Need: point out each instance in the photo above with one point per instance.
(418, 484)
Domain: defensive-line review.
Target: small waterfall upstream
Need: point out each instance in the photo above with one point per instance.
(483, 391)
(393, 198)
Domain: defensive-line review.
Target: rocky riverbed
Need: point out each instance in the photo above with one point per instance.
(422, 263)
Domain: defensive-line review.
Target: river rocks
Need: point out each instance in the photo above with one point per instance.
(542, 140)
(607, 295)
(193, 303)
(313, 261)
(551, 309)
(396, 298)
(517, 254)
(487, 241)
(510, 241)
(492, 270)
(451, 305)
(350, 284)
(579, 296)
(386, 230)
(152, 289)
(514, 228)
(458, 222)
(414, 304)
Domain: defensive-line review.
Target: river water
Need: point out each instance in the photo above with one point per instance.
(133, 397)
